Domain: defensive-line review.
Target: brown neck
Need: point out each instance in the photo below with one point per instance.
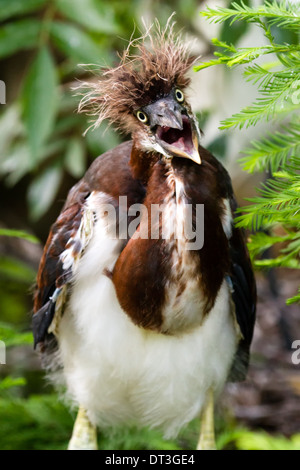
(141, 163)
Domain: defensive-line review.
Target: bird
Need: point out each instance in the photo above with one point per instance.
(145, 298)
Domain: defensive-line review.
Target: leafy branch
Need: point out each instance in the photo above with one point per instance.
(275, 211)
(243, 55)
(272, 151)
(278, 14)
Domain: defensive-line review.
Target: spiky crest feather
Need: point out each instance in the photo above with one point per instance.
(161, 62)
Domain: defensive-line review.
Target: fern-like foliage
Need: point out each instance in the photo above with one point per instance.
(274, 150)
(283, 14)
(275, 212)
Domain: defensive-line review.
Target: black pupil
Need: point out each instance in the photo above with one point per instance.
(179, 95)
(142, 116)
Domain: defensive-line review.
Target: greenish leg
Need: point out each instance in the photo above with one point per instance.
(84, 436)
(207, 433)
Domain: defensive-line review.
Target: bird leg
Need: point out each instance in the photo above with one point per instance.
(207, 433)
(84, 436)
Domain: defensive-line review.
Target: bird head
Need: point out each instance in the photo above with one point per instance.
(145, 95)
(169, 127)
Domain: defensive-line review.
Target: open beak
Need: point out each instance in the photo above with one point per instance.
(175, 132)
(180, 142)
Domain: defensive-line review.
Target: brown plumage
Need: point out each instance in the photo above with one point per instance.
(161, 61)
(147, 329)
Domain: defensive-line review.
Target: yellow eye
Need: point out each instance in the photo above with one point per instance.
(142, 117)
(179, 95)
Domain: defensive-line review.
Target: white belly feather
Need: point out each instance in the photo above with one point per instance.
(123, 374)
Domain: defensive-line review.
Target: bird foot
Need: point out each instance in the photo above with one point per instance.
(84, 436)
(207, 442)
(207, 434)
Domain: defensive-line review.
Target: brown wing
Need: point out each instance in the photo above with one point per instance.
(52, 275)
(243, 296)
(241, 277)
(109, 174)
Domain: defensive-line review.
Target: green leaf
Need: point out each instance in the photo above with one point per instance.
(278, 84)
(279, 262)
(272, 150)
(67, 123)
(261, 241)
(53, 148)
(294, 299)
(265, 107)
(11, 8)
(283, 14)
(249, 440)
(10, 128)
(75, 157)
(16, 163)
(101, 139)
(18, 271)
(40, 100)
(42, 191)
(12, 336)
(233, 32)
(77, 45)
(19, 234)
(93, 15)
(19, 35)
(207, 64)
(9, 382)
(28, 423)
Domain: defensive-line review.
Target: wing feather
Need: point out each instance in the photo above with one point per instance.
(68, 237)
(243, 296)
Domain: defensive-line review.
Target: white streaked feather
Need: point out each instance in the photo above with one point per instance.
(70, 257)
(227, 219)
(184, 300)
(123, 374)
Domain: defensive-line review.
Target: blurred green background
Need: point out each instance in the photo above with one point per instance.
(42, 154)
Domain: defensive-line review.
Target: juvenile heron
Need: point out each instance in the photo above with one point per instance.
(144, 318)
